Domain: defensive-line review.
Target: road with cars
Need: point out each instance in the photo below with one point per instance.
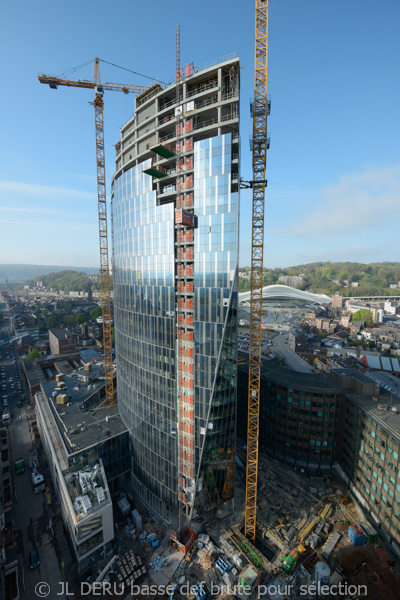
(35, 551)
(276, 345)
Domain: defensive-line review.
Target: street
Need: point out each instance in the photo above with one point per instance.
(293, 360)
(32, 514)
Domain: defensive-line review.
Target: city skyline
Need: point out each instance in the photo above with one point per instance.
(334, 164)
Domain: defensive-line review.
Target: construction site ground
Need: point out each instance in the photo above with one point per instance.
(288, 498)
(362, 564)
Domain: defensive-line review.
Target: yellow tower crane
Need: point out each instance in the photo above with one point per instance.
(98, 104)
(259, 146)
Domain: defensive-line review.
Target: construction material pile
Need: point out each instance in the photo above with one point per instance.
(205, 558)
(130, 568)
(157, 563)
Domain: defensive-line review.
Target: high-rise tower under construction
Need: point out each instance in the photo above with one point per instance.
(175, 234)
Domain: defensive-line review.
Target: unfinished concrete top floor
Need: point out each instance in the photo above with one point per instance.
(211, 96)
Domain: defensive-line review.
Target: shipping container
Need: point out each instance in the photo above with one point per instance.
(357, 536)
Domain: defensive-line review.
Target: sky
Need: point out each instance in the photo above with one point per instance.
(333, 75)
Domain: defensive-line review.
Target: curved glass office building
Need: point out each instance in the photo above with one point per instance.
(190, 152)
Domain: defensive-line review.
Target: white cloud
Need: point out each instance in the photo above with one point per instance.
(44, 191)
(359, 200)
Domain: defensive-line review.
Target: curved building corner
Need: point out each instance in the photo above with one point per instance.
(191, 154)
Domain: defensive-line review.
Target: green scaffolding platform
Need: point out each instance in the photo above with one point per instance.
(155, 172)
(163, 151)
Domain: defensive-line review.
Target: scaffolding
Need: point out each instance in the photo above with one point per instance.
(184, 310)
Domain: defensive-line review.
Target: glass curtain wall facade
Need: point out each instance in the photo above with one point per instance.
(299, 416)
(145, 329)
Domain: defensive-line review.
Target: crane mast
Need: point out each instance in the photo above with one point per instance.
(103, 236)
(259, 145)
(98, 104)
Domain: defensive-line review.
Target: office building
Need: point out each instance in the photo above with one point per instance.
(343, 421)
(369, 451)
(87, 449)
(299, 415)
(175, 233)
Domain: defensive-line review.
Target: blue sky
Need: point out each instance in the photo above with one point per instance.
(334, 163)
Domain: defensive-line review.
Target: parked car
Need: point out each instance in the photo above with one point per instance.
(34, 559)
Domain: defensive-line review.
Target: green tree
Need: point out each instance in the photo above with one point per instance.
(96, 312)
(34, 354)
(364, 315)
(80, 318)
(51, 322)
(70, 320)
(1, 315)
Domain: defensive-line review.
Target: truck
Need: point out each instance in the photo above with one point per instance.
(36, 476)
(19, 466)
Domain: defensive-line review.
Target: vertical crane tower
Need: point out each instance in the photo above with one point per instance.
(259, 145)
(103, 235)
(98, 104)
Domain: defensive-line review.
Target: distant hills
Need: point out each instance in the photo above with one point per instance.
(21, 273)
(68, 281)
(330, 277)
(321, 277)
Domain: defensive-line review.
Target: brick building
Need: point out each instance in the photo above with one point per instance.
(61, 341)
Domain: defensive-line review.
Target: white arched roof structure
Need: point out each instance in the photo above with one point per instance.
(284, 292)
